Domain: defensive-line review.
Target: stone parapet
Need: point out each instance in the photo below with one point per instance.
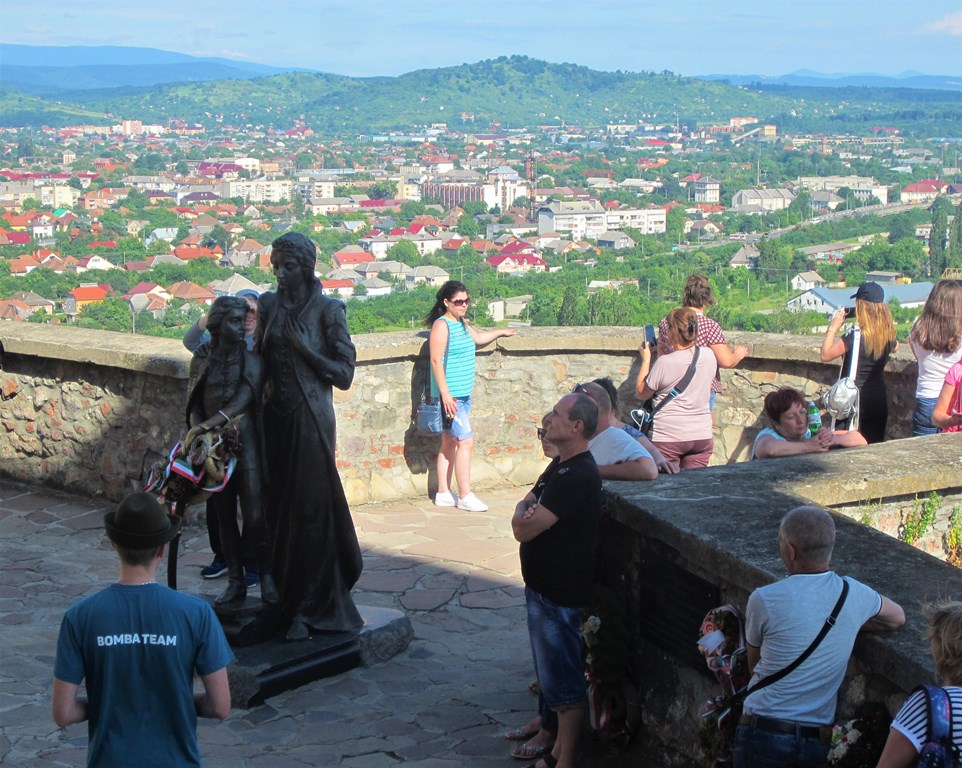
(91, 411)
(701, 539)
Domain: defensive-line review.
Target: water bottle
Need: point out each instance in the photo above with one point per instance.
(814, 418)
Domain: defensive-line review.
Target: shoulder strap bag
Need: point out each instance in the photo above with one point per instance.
(645, 417)
(826, 627)
(841, 400)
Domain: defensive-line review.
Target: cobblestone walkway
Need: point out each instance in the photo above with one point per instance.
(444, 702)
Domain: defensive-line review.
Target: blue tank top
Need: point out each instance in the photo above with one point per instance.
(458, 361)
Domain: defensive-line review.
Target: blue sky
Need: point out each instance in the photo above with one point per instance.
(380, 37)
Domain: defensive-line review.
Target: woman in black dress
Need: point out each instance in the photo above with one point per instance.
(306, 348)
(877, 343)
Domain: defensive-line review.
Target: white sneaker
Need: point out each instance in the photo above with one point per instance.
(446, 499)
(472, 503)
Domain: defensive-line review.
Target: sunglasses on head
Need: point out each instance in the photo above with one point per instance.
(460, 302)
(579, 388)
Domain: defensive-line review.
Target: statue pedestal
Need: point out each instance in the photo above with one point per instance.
(266, 668)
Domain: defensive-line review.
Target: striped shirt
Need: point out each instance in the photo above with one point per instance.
(912, 719)
(458, 361)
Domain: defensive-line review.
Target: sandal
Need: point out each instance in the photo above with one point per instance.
(548, 759)
(529, 752)
(520, 734)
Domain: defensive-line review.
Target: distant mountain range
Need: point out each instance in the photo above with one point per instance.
(46, 70)
(99, 84)
(808, 78)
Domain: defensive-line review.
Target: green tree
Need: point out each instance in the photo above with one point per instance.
(382, 190)
(404, 251)
(111, 314)
(900, 226)
(954, 250)
(571, 313)
(473, 208)
(468, 227)
(938, 259)
(774, 259)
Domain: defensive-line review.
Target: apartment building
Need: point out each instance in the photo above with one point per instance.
(588, 219)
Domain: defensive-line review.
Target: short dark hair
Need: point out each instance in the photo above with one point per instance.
(811, 530)
(611, 389)
(138, 557)
(585, 410)
(779, 401)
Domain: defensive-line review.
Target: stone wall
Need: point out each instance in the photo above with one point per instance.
(91, 411)
(677, 548)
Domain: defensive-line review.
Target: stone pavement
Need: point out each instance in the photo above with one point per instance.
(444, 702)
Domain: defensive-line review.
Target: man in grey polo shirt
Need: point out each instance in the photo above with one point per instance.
(789, 721)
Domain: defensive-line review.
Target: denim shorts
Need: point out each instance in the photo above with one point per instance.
(555, 633)
(460, 428)
(922, 418)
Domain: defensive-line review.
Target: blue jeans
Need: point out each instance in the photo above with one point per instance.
(555, 634)
(758, 748)
(922, 418)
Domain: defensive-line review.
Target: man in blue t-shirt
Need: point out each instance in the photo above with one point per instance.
(556, 523)
(137, 646)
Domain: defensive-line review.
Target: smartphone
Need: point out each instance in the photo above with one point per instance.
(446, 421)
(849, 313)
(650, 335)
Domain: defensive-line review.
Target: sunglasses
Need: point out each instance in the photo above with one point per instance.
(579, 388)
(541, 433)
(460, 302)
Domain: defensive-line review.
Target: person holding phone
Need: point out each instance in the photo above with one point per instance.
(682, 428)
(452, 347)
(877, 344)
(697, 297)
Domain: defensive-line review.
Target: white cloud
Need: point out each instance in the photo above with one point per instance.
(950, 24)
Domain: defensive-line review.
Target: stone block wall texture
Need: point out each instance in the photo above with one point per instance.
(91, 411)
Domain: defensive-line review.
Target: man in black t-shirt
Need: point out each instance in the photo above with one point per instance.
(556, 527)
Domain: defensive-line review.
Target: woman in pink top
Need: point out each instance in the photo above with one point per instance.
(682, 428)
(947, 414)
(698, 296)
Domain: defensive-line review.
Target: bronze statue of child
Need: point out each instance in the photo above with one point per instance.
(225, 383)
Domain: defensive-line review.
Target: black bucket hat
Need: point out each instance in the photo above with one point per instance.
(140, 522)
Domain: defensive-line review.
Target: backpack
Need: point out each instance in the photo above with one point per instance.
(939, 751)
(721, 640)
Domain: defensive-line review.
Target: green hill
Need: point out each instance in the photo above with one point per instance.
(517, 91)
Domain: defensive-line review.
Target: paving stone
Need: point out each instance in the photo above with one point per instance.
(443, 702)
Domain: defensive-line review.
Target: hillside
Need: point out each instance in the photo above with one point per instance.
(516, 91)
(48, 70)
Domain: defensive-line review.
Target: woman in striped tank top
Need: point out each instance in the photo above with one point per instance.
(452, 348)
(910, 728)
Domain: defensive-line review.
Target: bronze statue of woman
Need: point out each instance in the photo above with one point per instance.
(306, 348)
(225, 382)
